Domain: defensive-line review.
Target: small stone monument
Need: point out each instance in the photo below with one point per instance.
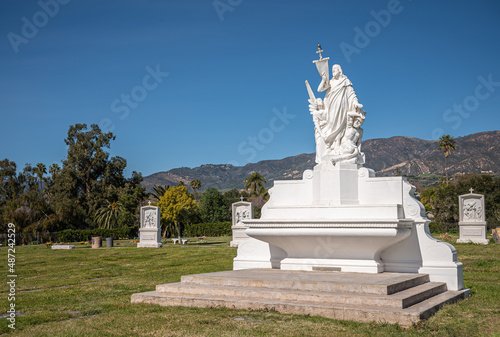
(150, 230)
(241, 210)
(63, 247)
(472, 222)
(96, 242)
(495, 232)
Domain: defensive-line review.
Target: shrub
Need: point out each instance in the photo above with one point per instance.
(438, 227)
(208, 229)
(75, 235)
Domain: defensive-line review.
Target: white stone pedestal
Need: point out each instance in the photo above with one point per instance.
(150, 230)
(343, 218)
(241, 210)
(472, 224)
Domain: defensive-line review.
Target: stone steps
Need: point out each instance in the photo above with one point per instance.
(383, 283)
(401, 300)
(352, 296)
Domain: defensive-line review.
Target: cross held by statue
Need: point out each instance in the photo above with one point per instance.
(319, 51)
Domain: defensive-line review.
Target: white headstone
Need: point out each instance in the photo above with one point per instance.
(241, 210)
(472, 224)
(150, 230)
(63, 247)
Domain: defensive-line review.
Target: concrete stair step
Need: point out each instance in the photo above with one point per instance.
(383, 283)
(429, 306)
(385, 297)
(401, 299)
(364, 313)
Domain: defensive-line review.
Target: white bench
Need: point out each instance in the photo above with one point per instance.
(183, 241)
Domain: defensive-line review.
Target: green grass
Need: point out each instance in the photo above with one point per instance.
(86, 292)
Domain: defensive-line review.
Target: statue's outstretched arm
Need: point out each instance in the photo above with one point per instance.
(325, 84)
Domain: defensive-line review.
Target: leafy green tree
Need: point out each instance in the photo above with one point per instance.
(22, 200)
(214, 207)
(72, 196)
(234, 195)
(254, 184)
(10, 187)
(89, 178)
(447, 144)
(177, 206)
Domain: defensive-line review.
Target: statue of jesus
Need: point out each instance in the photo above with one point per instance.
(330, 117)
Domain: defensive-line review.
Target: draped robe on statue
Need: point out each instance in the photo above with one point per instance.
(339, 99)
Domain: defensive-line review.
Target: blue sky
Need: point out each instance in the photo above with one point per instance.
(186, 83)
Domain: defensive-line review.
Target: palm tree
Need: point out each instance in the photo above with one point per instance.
(195, 184)
(254, 183)
(54, 169)
(159, 191)
(107, 216)
(40, 170)
(447, 144)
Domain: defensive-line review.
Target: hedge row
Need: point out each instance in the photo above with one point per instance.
(74, 235)
(208, 229)
(191, 230)
(436, 227)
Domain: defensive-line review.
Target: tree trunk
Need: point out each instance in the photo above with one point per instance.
(178, 224)
(446, 168)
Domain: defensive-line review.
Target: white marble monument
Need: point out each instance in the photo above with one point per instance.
(150, 230)
(340, 217)
(241, 210)
(472, 224)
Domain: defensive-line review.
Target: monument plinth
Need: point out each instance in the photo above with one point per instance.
(150, 230)
(241, 210)
(472, 224)
(340, 216)
(339, 243)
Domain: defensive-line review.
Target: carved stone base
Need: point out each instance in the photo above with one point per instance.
(473, 232)
(343, 218)
(150, 245)
(149, 238)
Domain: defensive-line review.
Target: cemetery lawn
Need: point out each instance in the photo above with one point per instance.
(86, 292)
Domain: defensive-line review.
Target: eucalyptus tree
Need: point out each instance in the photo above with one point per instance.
(89, 179)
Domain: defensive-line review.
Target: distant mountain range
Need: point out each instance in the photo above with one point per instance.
(476, 153)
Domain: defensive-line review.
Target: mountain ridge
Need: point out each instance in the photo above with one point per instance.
(475, 153)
